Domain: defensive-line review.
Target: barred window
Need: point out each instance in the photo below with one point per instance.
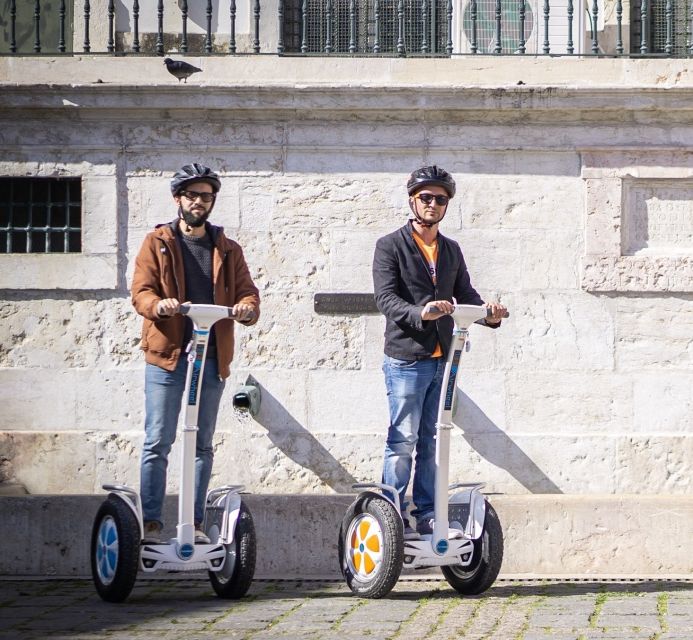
(656, 35)
(40, 215)
(365, 26)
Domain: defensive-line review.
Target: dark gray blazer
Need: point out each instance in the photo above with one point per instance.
(403, 286)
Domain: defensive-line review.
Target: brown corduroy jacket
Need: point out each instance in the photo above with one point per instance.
(159, 274)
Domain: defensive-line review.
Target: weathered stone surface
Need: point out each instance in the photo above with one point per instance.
(654, 333)
(481, 404)
(347, 403)
(300, 458)
(634, 274)
(595, 536)
(351, 260)
(349, 201)
(290, 335)
(667, 458)
(638, 234)
(662, 405)
(491, 259)
(287, 259)
(560, 332)
(593, 523)
(373, 342)
(522, 201)
(542, 402)
(565, 212)
(45, 335)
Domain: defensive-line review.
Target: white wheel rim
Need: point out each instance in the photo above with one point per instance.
(364, 546)
(107, 550)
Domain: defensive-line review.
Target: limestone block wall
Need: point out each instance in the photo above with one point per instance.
(574, 210)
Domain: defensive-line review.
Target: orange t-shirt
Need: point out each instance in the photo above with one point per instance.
(430, 252)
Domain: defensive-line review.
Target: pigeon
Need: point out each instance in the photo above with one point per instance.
(182, 70)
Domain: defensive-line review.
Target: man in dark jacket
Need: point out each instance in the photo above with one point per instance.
(417, 272)
(187, 260)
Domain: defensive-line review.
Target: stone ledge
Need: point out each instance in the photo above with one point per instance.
(545, 535)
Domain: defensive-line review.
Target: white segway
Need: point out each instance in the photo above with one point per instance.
(467, 539)
(117, 550)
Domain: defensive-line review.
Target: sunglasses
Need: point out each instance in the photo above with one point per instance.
(427, 198)
(194, 195)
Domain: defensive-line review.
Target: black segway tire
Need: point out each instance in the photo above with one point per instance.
(371, 546)
(487, 559)
(115, 550)
(235, 577)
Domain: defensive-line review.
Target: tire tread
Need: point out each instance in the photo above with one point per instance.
(128, 550)
(393, 539)
(246, 553)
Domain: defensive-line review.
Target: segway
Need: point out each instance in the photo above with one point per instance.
(467, 538)
(117, 548)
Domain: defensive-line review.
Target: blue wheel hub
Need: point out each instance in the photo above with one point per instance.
(441, 547)
(186, 551)
(107, 550)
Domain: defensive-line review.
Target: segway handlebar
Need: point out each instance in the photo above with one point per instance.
(489, 313)
(207, 314)
(218, 311)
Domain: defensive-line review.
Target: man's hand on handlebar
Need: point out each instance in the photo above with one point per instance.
(243, 312)
(167, 307)
(437, 309)
(497, 313)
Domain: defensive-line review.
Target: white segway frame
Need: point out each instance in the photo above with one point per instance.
(452, 542)
(181, 553)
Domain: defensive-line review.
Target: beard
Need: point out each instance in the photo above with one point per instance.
(192, 219)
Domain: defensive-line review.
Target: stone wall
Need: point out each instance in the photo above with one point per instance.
(574, 210)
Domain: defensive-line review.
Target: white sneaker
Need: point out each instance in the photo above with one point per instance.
(201, 537)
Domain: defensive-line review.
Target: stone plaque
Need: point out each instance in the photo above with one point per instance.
(658, 218)
(344, 303)
(639, 221)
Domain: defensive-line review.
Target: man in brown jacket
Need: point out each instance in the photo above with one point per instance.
(190, 260)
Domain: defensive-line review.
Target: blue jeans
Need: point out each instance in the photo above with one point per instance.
(413, 392)
(163, 392)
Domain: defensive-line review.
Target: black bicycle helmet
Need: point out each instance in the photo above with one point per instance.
(429, 177)
(194, 173)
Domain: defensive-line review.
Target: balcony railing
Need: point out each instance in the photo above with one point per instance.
(347, 27)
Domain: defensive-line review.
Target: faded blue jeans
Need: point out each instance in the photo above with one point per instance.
(413, 392)
(163, 392)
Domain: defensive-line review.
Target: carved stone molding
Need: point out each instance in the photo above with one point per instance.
(639, 221)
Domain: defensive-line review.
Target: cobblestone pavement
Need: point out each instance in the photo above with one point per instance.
(169, 609)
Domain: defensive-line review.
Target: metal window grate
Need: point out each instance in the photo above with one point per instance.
(657, 38)
(680, 27)
(40, 215)
(487, 25)
(365, 26)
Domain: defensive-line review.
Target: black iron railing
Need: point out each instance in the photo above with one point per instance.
(349, 27)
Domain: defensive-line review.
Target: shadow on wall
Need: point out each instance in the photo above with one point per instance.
(494, 446)
(290, 437)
